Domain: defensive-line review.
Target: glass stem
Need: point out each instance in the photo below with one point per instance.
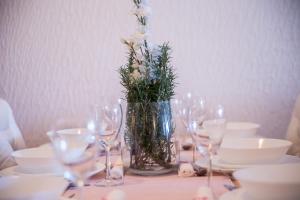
(81, 193)
(209, 172)
(108, 163)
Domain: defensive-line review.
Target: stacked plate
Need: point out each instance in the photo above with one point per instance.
(248, 151)
(241, 130)
(34, 161)
(38, 175)
(270, 182)
(237, 153)
(39, 161)
(31, 187)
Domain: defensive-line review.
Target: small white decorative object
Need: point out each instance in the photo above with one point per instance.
(116, 195)
(204, 193)
(293, 132)
(186, 170)
(187, 143)
(116, 172)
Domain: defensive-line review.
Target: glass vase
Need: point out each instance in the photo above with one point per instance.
(149, 136)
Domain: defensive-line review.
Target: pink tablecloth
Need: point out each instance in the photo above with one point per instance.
(159, 187)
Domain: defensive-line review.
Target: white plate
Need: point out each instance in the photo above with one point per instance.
(151, 172)
(252, 150)
(33, 188)
(241, 129)
(285, 159)
(16, 170)
(203, 163)
(202, 132)
(99, 168)
(271, 182)
(220, 166)
(238, 194)
(37, 160)
(66, 198)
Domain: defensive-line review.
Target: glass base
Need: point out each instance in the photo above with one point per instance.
(109, 182)
(153, 172)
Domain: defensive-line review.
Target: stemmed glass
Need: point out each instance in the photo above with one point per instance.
(214, 125)
(75, 147)
(188, 106)
(106, 122)
(191, 108)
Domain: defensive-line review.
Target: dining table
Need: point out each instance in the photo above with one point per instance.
(187, 180)
(169, 186)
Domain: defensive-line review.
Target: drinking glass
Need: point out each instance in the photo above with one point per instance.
(215, 125)
(106, 122)
(75, 147)
(209, 139)
(191, 108)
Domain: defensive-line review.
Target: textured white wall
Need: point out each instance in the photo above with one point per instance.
(57, 56)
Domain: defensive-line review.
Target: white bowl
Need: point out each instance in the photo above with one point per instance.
(78, 138)
(31, 187)
(37, 160)
(252, 150)
(271, 181)
(76, 141)
(241, 129)
(73, 134)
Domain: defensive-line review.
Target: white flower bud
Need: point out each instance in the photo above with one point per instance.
(143, 11)
(142, 69)
(140, 37)
(144, 2)
(124, 40)
(135, 65)
(132, 43)
(142, 29)
(150, 45)
(139, 57)
(155, 51)
(136, 74)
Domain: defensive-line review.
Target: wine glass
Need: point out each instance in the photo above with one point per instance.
(75, 147)
(191, 108)
(182, 108)
(106, 122)
(209, 139)
(215, 125)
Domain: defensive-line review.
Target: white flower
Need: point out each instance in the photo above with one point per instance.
(136, 45)
(144, 2)
(140, 37)
(150, 45)
(142, 69)
(142, 29)
(135, 65)
(133, 42)
(139, 67)
(155, 51)
(139, 57)
(136, 74)
(143, 11)
(125, 41)
(152, 74)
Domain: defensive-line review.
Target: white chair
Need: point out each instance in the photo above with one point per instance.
(9, 128)
(10, 136)
(293, 132)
